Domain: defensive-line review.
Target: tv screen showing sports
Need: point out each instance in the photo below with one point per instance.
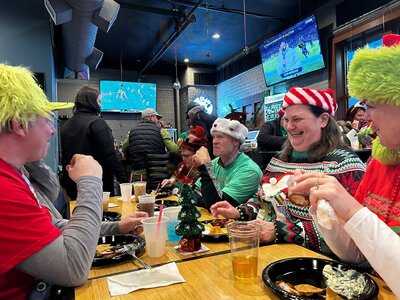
(123, 96)
(293, 52)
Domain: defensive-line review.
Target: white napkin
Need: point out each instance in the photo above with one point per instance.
(161, 276)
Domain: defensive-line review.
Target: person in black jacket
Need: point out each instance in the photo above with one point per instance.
(146, 148)
(272, 136)
(87, 133)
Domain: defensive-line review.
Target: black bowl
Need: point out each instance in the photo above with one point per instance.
(111, 216)
(306, 270)
(119, 240)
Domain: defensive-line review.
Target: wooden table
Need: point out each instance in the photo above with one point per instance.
(126, 208)
(212, 278)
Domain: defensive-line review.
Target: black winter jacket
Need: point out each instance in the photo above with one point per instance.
(144, 139)
(87, 133)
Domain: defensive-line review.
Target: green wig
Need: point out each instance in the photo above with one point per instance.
(374, 76)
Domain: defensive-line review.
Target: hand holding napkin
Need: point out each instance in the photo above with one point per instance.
(128, 282)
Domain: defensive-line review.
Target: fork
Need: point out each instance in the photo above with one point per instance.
(131, 251)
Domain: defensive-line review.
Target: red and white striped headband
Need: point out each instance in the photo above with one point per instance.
(306, 96)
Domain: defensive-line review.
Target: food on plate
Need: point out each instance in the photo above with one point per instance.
(303, 289)
(300, 200)
(349, 283)
(308, 289)
(217, 226)
(104, 250)
(287, 287)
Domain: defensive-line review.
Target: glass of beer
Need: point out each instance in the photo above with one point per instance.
(244, 238)
(139, 188)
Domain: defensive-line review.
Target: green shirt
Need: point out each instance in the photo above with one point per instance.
(240, 180)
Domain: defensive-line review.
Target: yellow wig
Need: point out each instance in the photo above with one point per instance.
(21, 98)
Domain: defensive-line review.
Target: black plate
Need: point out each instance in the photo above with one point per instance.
(111, 216)
(119, 240)
(306, 270)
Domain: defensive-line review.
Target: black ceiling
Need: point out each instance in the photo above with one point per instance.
(143, 28)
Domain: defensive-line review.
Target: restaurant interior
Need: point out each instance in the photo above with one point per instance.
(176, 60)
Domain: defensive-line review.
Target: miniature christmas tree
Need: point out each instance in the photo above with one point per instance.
(189, 227)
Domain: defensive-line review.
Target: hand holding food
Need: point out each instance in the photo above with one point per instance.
(224, 209)
(326, 187)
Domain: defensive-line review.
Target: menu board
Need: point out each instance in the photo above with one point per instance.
(272, 104)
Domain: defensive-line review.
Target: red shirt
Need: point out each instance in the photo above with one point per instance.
(379, 190)
(25, 228)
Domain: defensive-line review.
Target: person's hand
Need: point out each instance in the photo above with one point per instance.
(225, 209)
(132, 223)
(168, 182)
(326, 187)
(355, 124)
(83, 165)
(201, 157)
(267, 230)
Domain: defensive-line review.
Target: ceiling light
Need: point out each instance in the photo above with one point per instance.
(186, 60)
(216, 36)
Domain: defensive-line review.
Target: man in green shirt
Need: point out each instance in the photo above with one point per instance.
(231, 175)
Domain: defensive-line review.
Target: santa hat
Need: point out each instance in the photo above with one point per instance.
(373, 76)
(196, 138)
(321, 98)
(232, 128)
(373, 73)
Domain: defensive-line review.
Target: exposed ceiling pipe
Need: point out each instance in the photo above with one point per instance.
(153, 10)
(226, 10)
(79, 36)
(190, 18)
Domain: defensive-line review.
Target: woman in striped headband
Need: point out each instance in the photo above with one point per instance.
(314, 144)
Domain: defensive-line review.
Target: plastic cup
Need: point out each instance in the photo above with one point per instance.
(155, 235)
(147, 203)
(172, 214)
(106, 200)
(126, 191)
(244, 238)
(139, 188)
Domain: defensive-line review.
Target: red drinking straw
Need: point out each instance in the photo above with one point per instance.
(159, 218)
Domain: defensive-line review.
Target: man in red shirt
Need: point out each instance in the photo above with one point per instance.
(32, 248)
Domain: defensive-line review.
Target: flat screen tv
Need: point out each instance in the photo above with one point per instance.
(293, 52)
(123, 96)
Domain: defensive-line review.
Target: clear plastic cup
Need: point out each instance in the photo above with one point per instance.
(139, 188)
(155, 235)
(106, 200)
(126, 191)
(244, 238)
(172, 214)
(147, 203)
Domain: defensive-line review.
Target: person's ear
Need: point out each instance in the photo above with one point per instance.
(324, 119)
(18, 128)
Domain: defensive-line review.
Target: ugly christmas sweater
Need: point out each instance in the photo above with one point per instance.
(297, 226)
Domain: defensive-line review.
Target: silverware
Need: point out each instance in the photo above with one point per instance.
(131, 250)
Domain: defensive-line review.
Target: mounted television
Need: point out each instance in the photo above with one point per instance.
(123, 96)
(293, 52)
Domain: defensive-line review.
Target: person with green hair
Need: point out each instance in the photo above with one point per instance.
(33, 249)
(367, 226)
